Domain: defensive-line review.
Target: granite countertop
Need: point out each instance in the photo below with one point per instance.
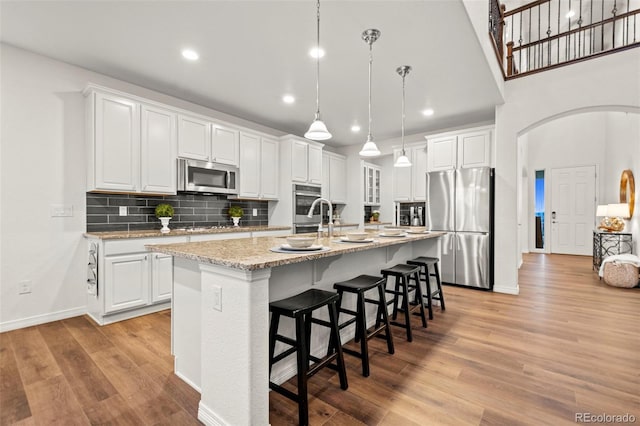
(153, 233)
(253, 253)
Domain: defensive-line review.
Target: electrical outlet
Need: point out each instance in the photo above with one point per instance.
(61, 210)
(217, 298)
(123, 210)
(255, 212)
(24, 287)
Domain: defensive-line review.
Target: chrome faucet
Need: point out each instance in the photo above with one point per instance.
(330, 224)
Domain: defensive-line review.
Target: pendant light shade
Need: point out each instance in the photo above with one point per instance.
(370, 149)
(318, 130)
(403, 160)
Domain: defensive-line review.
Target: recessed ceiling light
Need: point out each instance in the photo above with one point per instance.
(427, 112)
(355, 128)
(570, 14)
(191, 55)
(288, 99)
(316, 53)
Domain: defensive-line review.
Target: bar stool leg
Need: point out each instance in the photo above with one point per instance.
(303, 367)
(361, 323)
(396, 301)
(384, 316)
(427, 279)
(419, 298)
(273, 331)
(405, 306)
(439, 283)
(335, 336)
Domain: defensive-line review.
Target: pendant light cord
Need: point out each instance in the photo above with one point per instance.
(318, 60)
(403, 153)
(370, 65)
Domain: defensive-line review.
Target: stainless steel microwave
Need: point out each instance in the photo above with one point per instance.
(202, 176)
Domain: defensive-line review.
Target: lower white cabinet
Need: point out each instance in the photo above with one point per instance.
(161, 277)
(126, 282)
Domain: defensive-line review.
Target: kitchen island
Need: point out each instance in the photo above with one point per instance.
(220, 316)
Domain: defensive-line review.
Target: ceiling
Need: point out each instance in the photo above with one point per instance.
(254, 52)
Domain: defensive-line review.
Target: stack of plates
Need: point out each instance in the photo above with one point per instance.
(286, 248)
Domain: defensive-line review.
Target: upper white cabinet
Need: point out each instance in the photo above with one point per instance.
(371, 181)
(305, 159)
(458, 151)
(131, 145)
(200, 139)
(259, 166)
(334, 172)
(410, 183)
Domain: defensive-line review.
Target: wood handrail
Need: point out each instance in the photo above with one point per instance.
(525, 7)
(576, 30)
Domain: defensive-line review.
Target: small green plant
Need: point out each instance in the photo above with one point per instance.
(164, 210)
(236, 211)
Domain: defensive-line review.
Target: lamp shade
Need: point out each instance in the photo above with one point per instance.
(602, 210)
(402, 161)
(370, 149)
(317, 131)
(619, 210)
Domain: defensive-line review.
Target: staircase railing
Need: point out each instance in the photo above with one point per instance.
(550, 33)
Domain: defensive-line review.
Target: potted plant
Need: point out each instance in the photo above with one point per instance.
(164, 212)
(375, 215)
(236, 213)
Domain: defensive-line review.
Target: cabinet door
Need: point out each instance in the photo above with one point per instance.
(419, 173)
(161, 277)
(315, 164)
(126, 281)
(337, 180)
(376, 186)
(194, 138)
(299, 161)
(224, 145)
(474, 149)
(158, 150)
(401, 180)
(117, 143)
(249, 165)
(269, 169)
(326, 177)
(441, 154)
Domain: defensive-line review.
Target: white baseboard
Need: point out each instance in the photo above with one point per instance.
(42, 319)
(506, 290)
(208, 417)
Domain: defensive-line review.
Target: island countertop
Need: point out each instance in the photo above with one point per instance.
(153, 233)
(254, 253)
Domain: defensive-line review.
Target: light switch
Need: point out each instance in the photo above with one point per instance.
(217, 298)
(61, 210)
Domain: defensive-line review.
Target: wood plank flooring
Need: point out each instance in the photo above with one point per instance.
(567, 344)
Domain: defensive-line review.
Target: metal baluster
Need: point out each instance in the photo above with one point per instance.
(520, 42)
(634, 27)
(559, 32)
(538, 54)
(528, 49)
(627, 19)
(602, 28)
(549, 34)
(579, 29)
(591, 40)
(568, 38)
(613, 32)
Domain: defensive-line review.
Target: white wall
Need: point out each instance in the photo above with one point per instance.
(610, 82)
(43, 163)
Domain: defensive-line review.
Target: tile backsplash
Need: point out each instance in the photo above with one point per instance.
(190, 210)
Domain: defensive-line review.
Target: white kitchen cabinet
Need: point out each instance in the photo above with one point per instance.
(194, 137)
(224, 145)
(259, 165)
(460, 150)
(315, 164)
(126, 283)
(300, 161)
(410, 183)
(114, 133)
(371, 182)
(334, 172)
(158, 150)
(161, 277)
(201, 139)
(131, 145)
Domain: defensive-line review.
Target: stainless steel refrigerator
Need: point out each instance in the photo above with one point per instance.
(460, 203)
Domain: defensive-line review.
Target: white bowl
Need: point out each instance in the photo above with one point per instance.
(417, 229)
(393, 231)
(300, 242)
(357, 236)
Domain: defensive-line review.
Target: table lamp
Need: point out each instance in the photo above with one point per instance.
(617, 213)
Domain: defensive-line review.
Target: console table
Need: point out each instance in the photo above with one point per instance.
(607, 244)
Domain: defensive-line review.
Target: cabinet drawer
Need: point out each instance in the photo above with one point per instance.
(137, 245)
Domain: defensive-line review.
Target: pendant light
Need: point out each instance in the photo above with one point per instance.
(403, 161)
(370, 149)
(318, 131)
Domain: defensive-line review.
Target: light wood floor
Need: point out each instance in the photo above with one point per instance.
(567, 344)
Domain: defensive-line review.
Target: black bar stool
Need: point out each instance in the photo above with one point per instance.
(424, 262)
(404, 274)
(300, 308)
(359, 286)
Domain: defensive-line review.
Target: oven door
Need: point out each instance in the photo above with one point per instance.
(305, 228)
(302, 201)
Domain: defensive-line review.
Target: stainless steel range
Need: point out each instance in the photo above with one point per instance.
(303, 197)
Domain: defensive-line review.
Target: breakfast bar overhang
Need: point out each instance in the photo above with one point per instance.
(220, 310)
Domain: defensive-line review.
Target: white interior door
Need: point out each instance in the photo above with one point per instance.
(573, 199)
